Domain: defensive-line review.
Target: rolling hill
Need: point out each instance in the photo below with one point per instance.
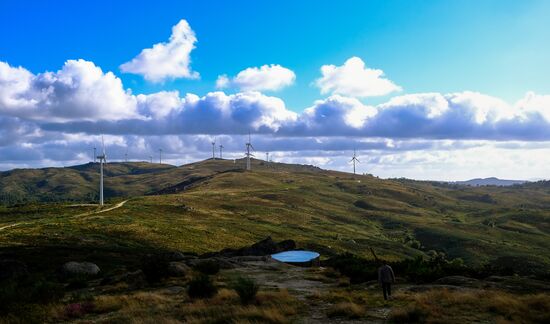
(215, 204)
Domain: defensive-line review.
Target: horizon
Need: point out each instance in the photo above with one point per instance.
(270, 161)
(419, 93)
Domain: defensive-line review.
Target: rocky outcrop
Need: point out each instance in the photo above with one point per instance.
(74, 268)
(178, 269)
(264, 247)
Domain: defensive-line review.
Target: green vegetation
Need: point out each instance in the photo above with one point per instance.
(327, 211)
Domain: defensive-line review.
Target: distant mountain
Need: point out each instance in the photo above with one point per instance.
(490, 182)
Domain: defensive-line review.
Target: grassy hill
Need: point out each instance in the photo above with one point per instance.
(214, 204)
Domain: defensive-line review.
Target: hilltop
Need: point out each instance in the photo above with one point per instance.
(490, 182)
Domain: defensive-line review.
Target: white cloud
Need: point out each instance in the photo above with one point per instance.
(354, 79)
(79, 91)
(166, 60)
(267, 77)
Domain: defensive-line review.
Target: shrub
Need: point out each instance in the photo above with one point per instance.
(208, 267)
(201, 287)
(155, 268)
(246, 289)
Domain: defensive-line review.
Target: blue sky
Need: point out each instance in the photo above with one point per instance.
(498, 49)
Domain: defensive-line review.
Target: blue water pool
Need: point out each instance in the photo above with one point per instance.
(295, 256)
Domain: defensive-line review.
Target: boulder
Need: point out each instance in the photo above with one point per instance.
(12, 270)
(74, 268)
(178, 269)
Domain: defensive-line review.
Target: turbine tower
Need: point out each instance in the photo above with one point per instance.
(102, 160)
(248, 154)
(214, 150)
(151, 158)
(160, 156)
(267, 156)
(95, 154)
(354, 159)
(126, 155)
(221, 149)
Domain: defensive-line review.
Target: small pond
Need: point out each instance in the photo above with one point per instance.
(295, 256)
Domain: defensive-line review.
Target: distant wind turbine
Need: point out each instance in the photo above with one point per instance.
(354, 159)
(214, 150)
(248, 154)
(160, 156)
(221, 149)
(151, 158)
(102, 160)
(95, 154)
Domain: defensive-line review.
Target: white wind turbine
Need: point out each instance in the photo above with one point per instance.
(221, 149)
(248, 154)
(354, 159)
(102, 160)
(214, 149)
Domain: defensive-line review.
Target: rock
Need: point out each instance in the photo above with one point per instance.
(286, 245)
(135, 279)
(178, 269)
(177, 256)
(12, 269)
(224, 263)
(80, 269)
(174, 289)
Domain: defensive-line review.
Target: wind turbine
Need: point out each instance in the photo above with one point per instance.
(151, 158)
(102, 160)
(214, 150)
(126, 155)
(354, 159)
(267, 156)
(95, 154)
(160, 156)
(248, 154)
(221, 149)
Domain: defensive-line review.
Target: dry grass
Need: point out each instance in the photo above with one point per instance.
(269, 307)
(444, 306)
(346, 309)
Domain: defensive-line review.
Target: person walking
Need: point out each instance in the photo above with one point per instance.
(386, 277)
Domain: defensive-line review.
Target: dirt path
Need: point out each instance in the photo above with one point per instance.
(120, 204)
(95, 212)
(304, 284)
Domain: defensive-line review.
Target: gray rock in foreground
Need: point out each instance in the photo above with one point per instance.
(74, 268)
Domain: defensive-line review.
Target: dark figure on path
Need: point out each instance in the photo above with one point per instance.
(386, 278)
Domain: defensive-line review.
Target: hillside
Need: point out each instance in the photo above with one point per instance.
(211, 205)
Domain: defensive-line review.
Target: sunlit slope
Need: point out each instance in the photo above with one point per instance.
(216, 204)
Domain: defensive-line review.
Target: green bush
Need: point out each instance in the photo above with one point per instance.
(208, 267)
(246, 289)
(201, 287)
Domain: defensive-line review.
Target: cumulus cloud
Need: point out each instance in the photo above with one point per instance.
(79, 91)
(354, 79)
(214, 113)
(166, 60)
(267, 77)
